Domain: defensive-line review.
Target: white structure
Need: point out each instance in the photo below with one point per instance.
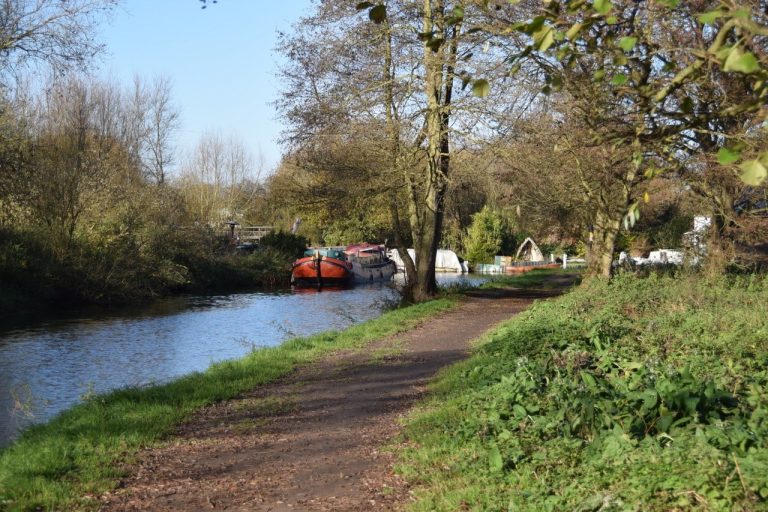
(701, 223)
(447, 261)
(695, 238)
(659, 257)
(529, 251)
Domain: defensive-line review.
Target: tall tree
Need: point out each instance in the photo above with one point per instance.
(404, 72)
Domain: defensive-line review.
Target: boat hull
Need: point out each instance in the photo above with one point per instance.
(314, 272)
(376, 272)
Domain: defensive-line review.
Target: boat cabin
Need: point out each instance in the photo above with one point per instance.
(328, 252)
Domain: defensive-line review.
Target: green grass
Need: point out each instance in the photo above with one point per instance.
(53, 466)
(539, 278)
(634, 394)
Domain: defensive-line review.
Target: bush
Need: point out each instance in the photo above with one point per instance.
(488, 236)
(288, 243)
(634, 394)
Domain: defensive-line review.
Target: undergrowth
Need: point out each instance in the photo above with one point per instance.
(634, 394)
(53, 466)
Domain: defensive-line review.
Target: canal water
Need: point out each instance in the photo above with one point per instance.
(49, 365)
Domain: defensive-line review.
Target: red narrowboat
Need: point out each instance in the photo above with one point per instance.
(321, 267)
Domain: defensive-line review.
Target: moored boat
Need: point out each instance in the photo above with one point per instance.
(370, 262)
(322, 266)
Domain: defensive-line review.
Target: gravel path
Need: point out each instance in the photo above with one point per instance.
(314, 440)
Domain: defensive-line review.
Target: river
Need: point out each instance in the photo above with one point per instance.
(49, 364)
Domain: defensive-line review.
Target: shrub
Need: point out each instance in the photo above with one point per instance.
(288, 243)
(488, 236)
(634, 394)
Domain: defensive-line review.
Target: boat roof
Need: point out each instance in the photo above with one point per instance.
(362, 247)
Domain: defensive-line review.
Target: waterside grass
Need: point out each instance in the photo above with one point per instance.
(66, 463)
(634, 394)
(539, 278)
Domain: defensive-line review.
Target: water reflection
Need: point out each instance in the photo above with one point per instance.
(48, 366)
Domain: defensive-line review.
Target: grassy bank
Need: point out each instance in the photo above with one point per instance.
(544, 278)
(53, 465)
(639, 394)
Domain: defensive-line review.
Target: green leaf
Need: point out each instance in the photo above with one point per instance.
(458, 12)
(495, 460)
(599, 74)
(481, 88)
(619, 79)
(627, 43)
(573, 32)
(664, 422)
(741, 13)
(709, 18)
(724, 52)
(741, 62)
(602, 6)
(727, 156)
(378, 14)
(535, 25)
(589, 381)
(650, 399)
(753, 173)
(544, 38)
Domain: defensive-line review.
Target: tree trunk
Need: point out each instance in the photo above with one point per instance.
(393, 129)
(600, 257)
(611, 208)
(438, 87)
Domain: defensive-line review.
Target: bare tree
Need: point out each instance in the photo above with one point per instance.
(161, 123)
(55, 33)
(216, 180)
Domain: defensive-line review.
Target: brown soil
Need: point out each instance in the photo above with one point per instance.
(316, 439)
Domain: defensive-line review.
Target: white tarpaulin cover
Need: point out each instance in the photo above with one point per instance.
(529, 251)
(446, 261)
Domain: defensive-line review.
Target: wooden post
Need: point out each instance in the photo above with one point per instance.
(318, 261)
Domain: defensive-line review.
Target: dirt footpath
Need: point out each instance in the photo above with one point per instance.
(315, 439)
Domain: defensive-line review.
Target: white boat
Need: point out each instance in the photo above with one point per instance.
(370, 262)
(445, 261)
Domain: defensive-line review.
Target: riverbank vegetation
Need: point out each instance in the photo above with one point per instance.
(97, 202)
(58, 465)
(634, 394)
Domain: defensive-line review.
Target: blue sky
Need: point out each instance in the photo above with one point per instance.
(220, 60)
